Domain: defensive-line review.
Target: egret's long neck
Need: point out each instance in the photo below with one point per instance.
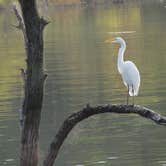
(121, 56)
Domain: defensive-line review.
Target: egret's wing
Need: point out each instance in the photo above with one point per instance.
(131, 77)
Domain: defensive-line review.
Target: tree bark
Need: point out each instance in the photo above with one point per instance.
(34, 82)
(88, 111)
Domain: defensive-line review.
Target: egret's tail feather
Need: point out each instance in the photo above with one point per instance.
(135, 93)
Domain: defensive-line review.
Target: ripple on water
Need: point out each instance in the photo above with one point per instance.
(122, 32)
(100, 162)
(112, 158)
(162, 162)
(9, 160)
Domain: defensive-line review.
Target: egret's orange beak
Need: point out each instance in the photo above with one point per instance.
(109, 41)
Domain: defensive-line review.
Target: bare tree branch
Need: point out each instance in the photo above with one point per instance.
(88, 111)
(19, 18)
(21, 26)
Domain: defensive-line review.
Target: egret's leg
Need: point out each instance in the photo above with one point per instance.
(133, 93)
(127, 94)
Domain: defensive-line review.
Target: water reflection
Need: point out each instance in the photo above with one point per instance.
(82, 69)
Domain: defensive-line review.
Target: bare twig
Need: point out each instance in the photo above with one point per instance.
(23, 74)
(88, 111)
(21, 25)
(19, 18)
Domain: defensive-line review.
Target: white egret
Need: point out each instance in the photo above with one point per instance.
(127, 69)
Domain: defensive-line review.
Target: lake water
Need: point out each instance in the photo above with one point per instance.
(82, 69)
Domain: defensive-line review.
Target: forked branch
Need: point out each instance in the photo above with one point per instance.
(88, 111)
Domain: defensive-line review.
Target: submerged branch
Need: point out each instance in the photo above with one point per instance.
(88, 111)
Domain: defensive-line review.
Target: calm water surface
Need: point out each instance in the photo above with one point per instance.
(82, 69)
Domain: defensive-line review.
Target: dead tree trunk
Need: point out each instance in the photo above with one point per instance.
(32, 27)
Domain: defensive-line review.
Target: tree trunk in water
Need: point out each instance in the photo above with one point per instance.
(34, 82)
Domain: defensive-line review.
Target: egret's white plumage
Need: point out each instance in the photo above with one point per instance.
(127, 69)
(131, 77)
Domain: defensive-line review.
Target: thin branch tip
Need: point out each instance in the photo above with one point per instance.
(19, 17)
